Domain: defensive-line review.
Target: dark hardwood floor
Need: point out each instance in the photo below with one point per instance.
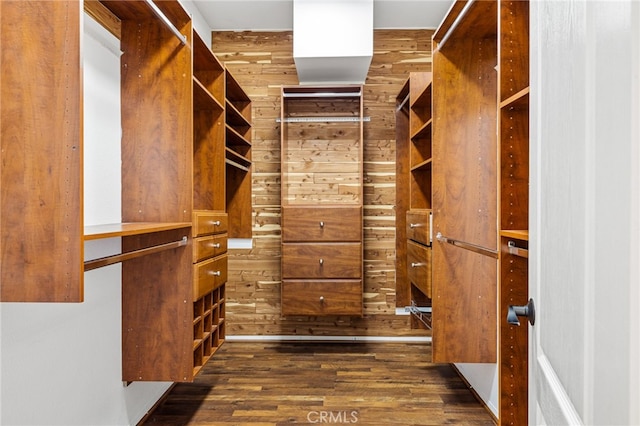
(322, 383)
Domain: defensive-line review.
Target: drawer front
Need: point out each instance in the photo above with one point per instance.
(419, 226)
(206, 222)
(322, 297)
(419, 266)
(208, 275)
(322, 260)
(209, 246)
(317, 223)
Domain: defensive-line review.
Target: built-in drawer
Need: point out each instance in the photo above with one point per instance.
(207, 222)
(321, 223)
(419, 226)
(209, 246)
(322, 297)
(208, 275)
(419, 266)
(322, 260)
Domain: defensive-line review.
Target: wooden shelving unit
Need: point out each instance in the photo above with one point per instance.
(322, 197)
(481, 82)
(513, 136)
(210, 220)
(414, 181)
(176, 101)
(238, 159)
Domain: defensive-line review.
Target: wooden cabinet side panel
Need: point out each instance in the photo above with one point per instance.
(513, 364)
(157, 312)
(41, 179)
(464, 305)
(465, 142)
(157, 124)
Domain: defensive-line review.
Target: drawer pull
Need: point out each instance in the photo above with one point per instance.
(321, 262)
(321, 224)
(415, 264)
(215, 273)
(321, 299)
(215, 222)
(414, 225)
(214, 245)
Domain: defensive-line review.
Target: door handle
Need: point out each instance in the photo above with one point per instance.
(528, 310)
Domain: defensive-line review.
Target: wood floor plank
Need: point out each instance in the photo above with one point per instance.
(275, 384)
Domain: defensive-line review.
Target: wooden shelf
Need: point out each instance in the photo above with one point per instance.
(516, 234)
(423, 166)
(518, 101)
(424, 131)
(203, 100)
(235, 117)
(98, 232)
(238, 161)
(235, 139)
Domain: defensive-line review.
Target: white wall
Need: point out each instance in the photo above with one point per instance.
(483, 379)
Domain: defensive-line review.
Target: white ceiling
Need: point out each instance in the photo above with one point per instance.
(268, 15)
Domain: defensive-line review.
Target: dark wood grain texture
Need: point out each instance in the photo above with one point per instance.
(278, 384)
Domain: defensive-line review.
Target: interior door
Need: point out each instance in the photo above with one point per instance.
(585, 220)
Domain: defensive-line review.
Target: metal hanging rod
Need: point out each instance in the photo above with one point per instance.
(459, 19)
(421, 313)
(322, 119)
(322, 94)
(468, 246)
(167, 22)
(117, 258)
(517, 251)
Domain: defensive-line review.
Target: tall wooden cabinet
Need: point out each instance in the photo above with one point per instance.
(480, 191)
(465, 193)
(413, 194)
(174, 177)
(322, 197)
(210, 220)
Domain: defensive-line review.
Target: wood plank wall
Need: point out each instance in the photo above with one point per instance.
(262, 62)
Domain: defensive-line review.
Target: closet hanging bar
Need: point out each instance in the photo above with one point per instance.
(517, 251)
(468, 246)
(322, 119)
(421, 313)
(459, 19)
(117, 258)
(167, 22)
(322, 94)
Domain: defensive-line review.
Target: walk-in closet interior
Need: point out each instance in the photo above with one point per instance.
(171, 188)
